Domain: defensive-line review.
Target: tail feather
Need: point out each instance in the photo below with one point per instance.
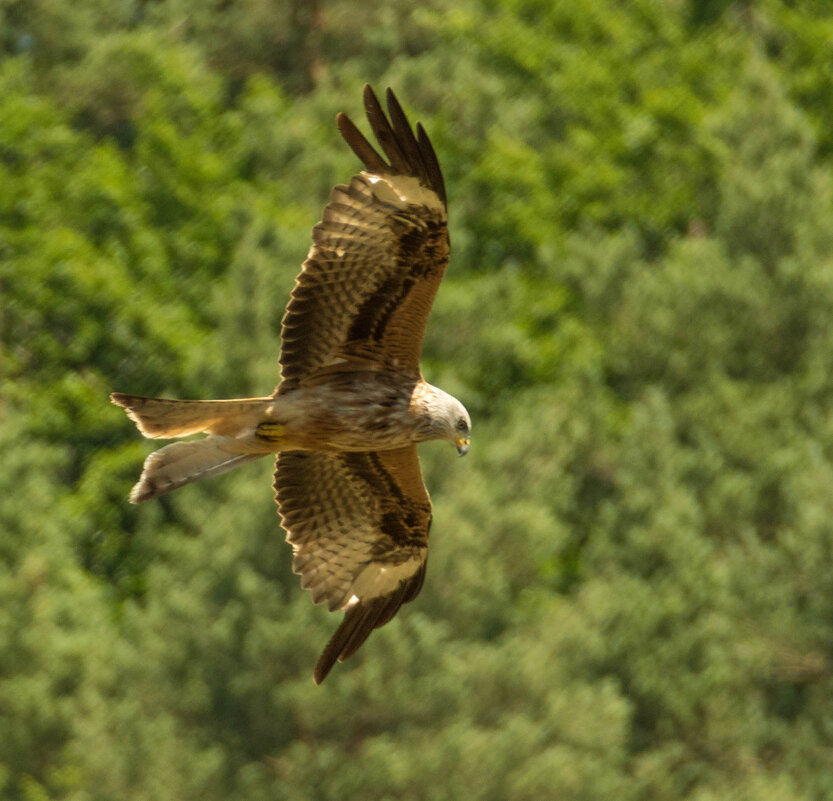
(170, 419)
(181, 463)
(232, 427)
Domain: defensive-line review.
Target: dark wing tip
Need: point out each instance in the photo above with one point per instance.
(405, 138)
(356, 627)
(367, 154)
(360, 620)
(432, 164)
(408, 153)
(385, 134)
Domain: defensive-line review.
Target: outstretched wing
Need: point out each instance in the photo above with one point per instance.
(358, 524)
(378, 256)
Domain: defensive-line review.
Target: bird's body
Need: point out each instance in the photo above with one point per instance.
(352, 403)
(350, 411)
(357, 411)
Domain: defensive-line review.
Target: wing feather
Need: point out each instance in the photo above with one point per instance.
(432, 164)
(385, 135)
(404, 135)
(359, 144)
(359, 623)
(377, 258)
(358, 525)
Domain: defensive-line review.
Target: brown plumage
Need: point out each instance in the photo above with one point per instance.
(351, 404)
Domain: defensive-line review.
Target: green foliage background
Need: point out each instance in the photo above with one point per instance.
(630, 593)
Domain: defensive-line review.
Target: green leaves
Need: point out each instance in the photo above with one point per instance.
(629, 588)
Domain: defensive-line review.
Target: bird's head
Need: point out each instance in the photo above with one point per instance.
(462, 427)
(445, 418)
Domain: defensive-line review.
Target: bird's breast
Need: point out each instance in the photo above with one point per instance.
(352, 413)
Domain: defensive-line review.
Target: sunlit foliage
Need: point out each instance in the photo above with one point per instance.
(630, 590)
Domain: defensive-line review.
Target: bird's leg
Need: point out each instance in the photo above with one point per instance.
(269, 431)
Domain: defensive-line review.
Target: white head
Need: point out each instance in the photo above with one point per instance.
(443, 417)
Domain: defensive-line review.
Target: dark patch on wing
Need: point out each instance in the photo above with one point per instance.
(418, 256)
(404, 520)
(422, 245)
(374, 314)
(366, 465)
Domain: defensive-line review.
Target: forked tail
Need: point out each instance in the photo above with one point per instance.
(231, 440)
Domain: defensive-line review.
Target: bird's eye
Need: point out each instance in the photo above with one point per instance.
(462, 425)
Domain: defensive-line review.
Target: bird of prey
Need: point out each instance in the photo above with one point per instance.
(351, 404)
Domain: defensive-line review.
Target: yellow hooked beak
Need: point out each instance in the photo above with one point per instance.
(462, 445)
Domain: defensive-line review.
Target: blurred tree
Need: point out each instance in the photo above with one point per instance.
(629, 593)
